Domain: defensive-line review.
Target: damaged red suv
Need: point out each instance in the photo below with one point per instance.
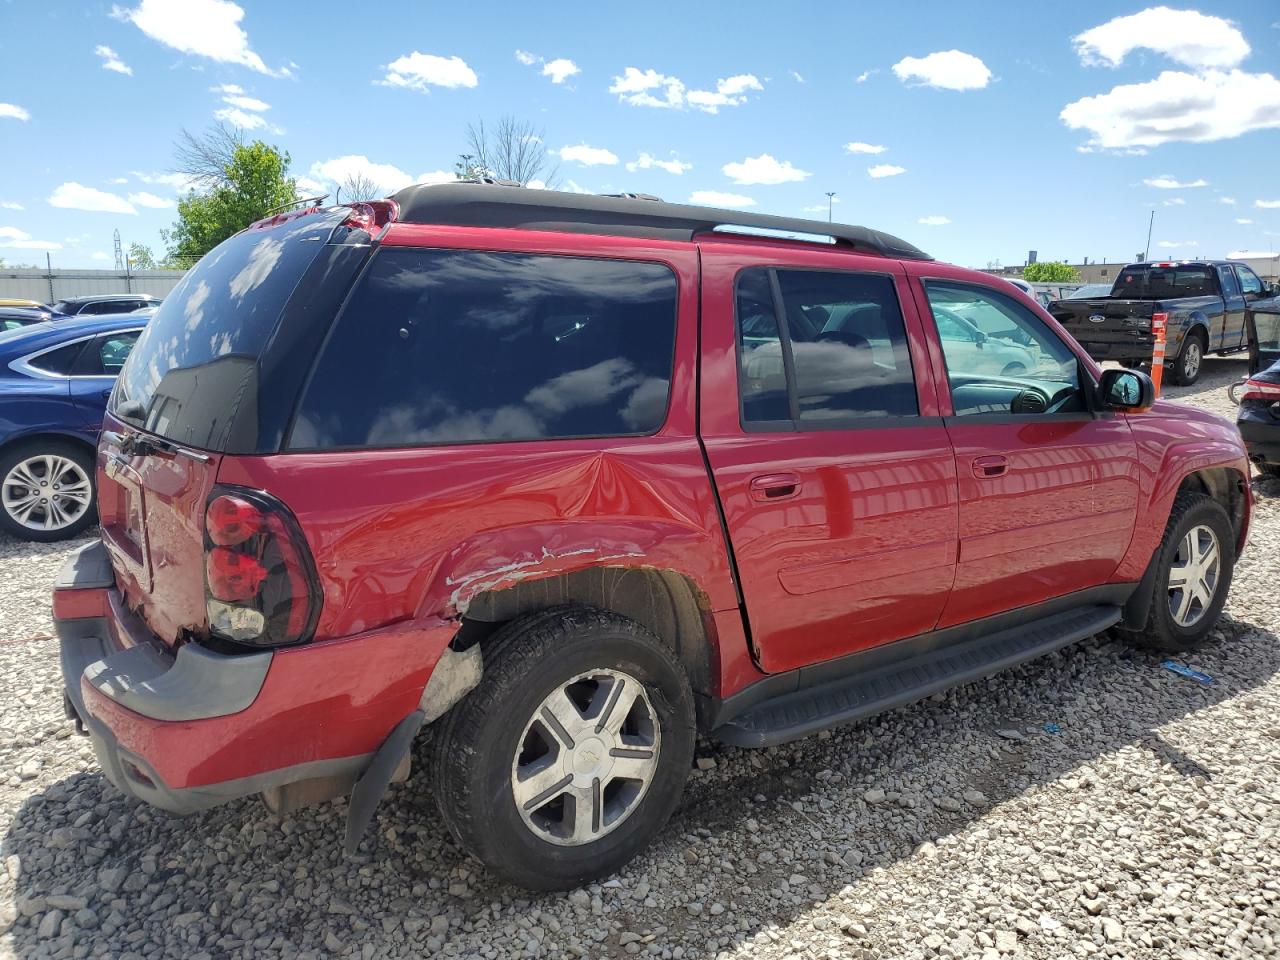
(568, 480)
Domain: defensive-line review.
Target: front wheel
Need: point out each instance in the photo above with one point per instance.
(1194, 563)
(1186, 368)
(571, 753)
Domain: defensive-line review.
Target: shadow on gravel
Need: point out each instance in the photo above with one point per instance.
(237, 881)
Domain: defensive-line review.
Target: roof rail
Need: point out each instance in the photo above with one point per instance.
(465, 204)
(293, 203)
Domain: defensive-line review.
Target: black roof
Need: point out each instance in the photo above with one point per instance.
(96, 297)
(491, 205)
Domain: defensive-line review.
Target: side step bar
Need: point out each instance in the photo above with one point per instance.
(798, 713)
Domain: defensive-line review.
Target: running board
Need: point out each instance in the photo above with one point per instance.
(798, 713)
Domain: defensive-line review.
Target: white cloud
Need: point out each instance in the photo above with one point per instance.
(1251, 255)
(1267, 204)
(145, 199)
(76, 196)
(206, 28)
(560, 69)
(572, 186)
(1243, 221)
(228, 88)
(1230, 201)
(111, 60)
(1187, 37)
(857, 146)
(239, 118)
(729, 92)
(309, 186)
(98, 255)
(648, 88)
(11, 205)
(13, 112)
(1175, 202)
(14, 239)
(820, 207)
(645, 161)
(1166, 182)
(588, 156)
(180, 182)
(1213, 105)
(763, 169)
(944, 70)
(881, 170)
(865, 75)
(717, 198)
(1176, 244)
(796, 76)
(418, 71)
(246, 103)
(527, 58)
(435, 176)
(385, 175)
(934, 221)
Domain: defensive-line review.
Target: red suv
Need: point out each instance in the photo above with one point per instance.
(569, 480)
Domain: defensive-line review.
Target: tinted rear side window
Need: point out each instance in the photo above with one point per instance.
(439, 346)
(196, 364)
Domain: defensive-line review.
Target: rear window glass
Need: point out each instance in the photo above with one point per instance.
(196, 362)
(439, 346)
(1165, 283)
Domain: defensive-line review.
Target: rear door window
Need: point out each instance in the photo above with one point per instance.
(105, 355)
(445, 346)
(59, 361)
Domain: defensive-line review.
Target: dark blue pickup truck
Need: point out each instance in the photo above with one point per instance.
(1210, 305)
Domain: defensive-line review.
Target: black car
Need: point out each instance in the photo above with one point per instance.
(104, 303)
(11, 318)
(1259, 396)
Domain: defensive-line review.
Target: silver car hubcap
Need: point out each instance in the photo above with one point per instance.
(1193, 578)
(586, 758)
(46, 492)
(1193, 358)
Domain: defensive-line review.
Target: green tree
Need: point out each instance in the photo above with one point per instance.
(1050, 272)
(141, 257)
(255, 180)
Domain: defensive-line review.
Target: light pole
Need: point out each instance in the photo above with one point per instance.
(831, 199)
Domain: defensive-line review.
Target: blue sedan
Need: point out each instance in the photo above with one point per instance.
(54, 382)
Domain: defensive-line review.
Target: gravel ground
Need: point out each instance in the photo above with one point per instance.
(1089, 803)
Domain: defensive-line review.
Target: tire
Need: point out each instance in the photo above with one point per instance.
(46, 462)
(1190, 362)
(1165, 631)
(1269, 469)
(497, 741)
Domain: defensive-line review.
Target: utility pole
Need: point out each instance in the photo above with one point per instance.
(831, 199)
(1146, 253)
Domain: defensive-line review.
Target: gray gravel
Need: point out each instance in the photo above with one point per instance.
(1091, 803)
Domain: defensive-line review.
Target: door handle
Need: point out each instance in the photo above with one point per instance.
(775, 486)
(986, 468)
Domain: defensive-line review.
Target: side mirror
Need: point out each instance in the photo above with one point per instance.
(979, 338)
(1127, 390)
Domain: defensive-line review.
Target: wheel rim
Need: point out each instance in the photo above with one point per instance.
(1192, 363)
(586, 758)
(1193, 577)
(46, 492)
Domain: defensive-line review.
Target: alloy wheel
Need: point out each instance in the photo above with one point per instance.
(1191, 364)
(586, 758)
(1193, 576)
(46, 492)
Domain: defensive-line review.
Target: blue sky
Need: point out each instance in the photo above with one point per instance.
(978, 130)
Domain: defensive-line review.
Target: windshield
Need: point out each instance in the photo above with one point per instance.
(1165, 281)
(195, 366)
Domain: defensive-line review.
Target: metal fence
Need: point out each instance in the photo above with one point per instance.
(50, 285)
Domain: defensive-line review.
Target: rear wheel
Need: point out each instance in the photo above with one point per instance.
(46, 491)
(1269, 469)
(1186, 368)
(1194, 563)
(572, 752)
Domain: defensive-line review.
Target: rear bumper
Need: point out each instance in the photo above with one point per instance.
(188, 731)
(1261, 437)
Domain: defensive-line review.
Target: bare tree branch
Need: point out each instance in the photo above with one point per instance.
(516, 150)
(205, 157)
(359, 186)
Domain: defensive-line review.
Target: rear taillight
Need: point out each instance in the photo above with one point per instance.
(1254, 390)
(260, 584)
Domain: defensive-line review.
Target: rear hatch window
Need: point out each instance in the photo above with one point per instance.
(195, 368)
(1158, 282)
